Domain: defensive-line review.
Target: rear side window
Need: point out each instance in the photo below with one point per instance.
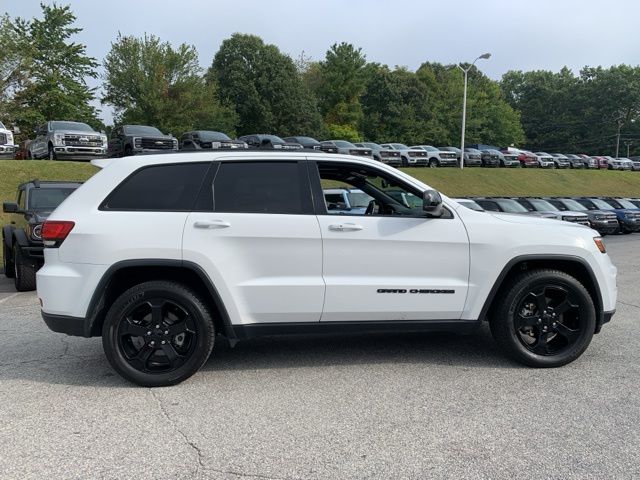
(262, 187)
(159, 188)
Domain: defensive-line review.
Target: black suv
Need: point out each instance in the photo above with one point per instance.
(269, 142)
(128, 140)
(208, 139)
(22, 245)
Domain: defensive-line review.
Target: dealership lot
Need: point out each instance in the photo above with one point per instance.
(403, 406)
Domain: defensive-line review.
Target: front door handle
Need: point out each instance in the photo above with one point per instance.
(345, 227)
(211, 224)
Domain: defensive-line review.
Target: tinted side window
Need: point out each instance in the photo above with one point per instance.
(262, 187)
(159, 188)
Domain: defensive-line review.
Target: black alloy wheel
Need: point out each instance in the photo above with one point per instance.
(547, 319)
(158, 333)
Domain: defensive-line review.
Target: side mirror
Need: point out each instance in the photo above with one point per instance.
(9, 207)
(432, 204)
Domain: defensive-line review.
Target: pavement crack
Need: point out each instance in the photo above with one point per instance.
(246, 475)
(175, 426)
(629, 304)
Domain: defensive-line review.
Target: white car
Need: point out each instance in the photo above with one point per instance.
(162, 253)
(545, 160)
(437, 157)
(7, 147)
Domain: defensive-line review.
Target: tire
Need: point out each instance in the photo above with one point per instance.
(24, 274)
(52, 154)
(530, 345)
(128, 151)
(433, 163)
(405, 162)
(7, 261)
(178, 308)
(29, 155)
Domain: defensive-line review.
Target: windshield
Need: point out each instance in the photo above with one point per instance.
(471, 150)
(303, 140)
(371, 145)
(211, 136)
(82, 127)
(492, 152)
(471, 205)
(344, 144)
(141, 130)
(47, 199)
(601, 204)
(542, 205)
(573, 205)
(627, 204)
(399, 146)
(271, 138)
(358, 199)
(511, 206)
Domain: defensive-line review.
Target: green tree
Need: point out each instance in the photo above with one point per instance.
(13, 65)
(148, 81)
(340, 82)
(265, 88)
(490, 119)
(55, 68)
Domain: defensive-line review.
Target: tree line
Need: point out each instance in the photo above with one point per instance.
(253, 87)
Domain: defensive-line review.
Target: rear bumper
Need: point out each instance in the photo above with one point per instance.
(63, 324)
(604, 317)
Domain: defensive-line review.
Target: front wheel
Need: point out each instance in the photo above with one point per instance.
(24, 272)
(433, 163)
(7, 261)
(52, 153)
(547, 319)
(158, 333)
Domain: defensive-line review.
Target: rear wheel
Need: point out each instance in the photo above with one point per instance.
(7, 261)
(24, 273)
(158, 333)
(547, 319)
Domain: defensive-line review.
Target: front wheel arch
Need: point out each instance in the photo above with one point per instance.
(571, 265)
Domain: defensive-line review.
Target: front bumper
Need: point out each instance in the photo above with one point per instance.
(630, 225)
(604, 226)
(80, 152)
(7, 151)
(146, 151)
(422, 161)
(472, 162)
(449, 162)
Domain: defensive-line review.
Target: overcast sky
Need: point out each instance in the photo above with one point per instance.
(520, 34)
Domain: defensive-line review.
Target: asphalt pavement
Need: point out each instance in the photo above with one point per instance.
(382, 406)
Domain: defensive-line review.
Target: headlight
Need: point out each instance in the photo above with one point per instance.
(137, 142)
(104, 140)
(58, 139)
(10, 138)
(175, 144)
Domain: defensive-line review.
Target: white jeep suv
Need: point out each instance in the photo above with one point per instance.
(161, 254)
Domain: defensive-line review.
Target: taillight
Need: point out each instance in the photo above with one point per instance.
(54, 232)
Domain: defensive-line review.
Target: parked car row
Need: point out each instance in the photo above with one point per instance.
(78, 141)
(607, 215)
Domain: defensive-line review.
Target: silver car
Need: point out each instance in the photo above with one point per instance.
(545, 160)
(60, 139)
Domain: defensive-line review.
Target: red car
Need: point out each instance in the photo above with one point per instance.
(527, 159)
(602, 162)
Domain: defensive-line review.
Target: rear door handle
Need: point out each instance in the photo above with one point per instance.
(211, 224)
(345, 227)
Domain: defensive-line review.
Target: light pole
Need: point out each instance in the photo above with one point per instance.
(628, 143)
(484, 56)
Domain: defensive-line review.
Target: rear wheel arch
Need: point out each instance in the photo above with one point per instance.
(124, 275)
(572, 265)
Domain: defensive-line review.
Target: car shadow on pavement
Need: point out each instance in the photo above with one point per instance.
(473, 350)
(85, 364)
